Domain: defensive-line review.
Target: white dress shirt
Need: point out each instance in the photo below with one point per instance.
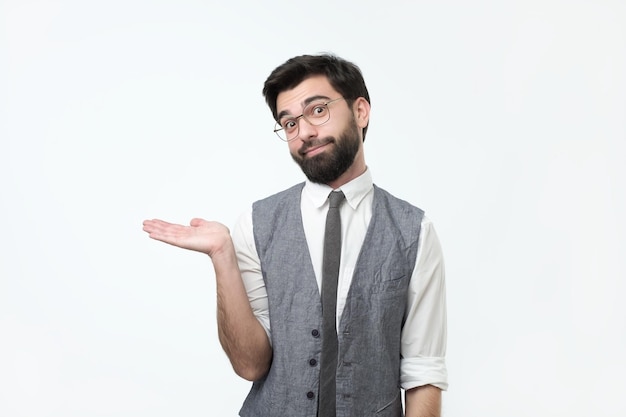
(423, 344)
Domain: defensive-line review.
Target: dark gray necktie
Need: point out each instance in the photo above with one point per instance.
(330, 274)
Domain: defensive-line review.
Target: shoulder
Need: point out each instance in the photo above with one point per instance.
(381, 196)
(268, 212)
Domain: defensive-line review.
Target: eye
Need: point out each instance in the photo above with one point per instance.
(288, 124)
(318, 110)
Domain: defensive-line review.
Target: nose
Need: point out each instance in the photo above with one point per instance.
(306, 130)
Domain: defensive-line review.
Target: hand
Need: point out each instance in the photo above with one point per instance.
(201, 235)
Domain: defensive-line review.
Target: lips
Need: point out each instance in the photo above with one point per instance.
(313, 145)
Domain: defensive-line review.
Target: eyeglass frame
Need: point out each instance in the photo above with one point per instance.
(278, 127)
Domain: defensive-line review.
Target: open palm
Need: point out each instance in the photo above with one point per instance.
(201, 235)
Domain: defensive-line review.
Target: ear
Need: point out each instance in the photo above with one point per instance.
(361, 109)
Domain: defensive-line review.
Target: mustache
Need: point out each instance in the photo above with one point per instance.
(313, 143)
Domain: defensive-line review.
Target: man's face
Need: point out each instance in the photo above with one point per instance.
(327, 151)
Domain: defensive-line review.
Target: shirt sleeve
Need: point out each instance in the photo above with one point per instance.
(250, 268)
(424, 335)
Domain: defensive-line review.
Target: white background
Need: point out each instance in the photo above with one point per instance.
(505, 121)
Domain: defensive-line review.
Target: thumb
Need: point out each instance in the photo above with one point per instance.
(195, 222)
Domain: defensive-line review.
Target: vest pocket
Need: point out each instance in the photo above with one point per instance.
(390, 281)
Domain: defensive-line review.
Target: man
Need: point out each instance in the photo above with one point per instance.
(321, 336)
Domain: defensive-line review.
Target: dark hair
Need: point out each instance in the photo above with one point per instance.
(344, 76)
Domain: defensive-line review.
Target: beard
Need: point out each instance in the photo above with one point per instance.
(326, 167)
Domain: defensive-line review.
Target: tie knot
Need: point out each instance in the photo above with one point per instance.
(335, 198)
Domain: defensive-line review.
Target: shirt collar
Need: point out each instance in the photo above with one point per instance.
(355, 190)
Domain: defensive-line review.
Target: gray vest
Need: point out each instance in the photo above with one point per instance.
(368, 365)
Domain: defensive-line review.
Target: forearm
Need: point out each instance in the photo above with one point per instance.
(243, 338)
(424, 401)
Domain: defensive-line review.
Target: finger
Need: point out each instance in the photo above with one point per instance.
(168, 235)
(195, 222)
(164, 231)
(158, 222)
(152, 225)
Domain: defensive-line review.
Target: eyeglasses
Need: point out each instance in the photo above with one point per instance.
(315, 114)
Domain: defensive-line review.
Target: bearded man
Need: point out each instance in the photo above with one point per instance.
(331, 294)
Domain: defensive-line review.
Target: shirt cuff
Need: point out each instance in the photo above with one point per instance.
(265, 323)
(415, 372)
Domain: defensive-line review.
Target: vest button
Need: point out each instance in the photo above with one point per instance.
(312, 362)
(310, 395)
(315, 333)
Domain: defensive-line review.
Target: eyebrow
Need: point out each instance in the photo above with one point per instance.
(305, 103)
